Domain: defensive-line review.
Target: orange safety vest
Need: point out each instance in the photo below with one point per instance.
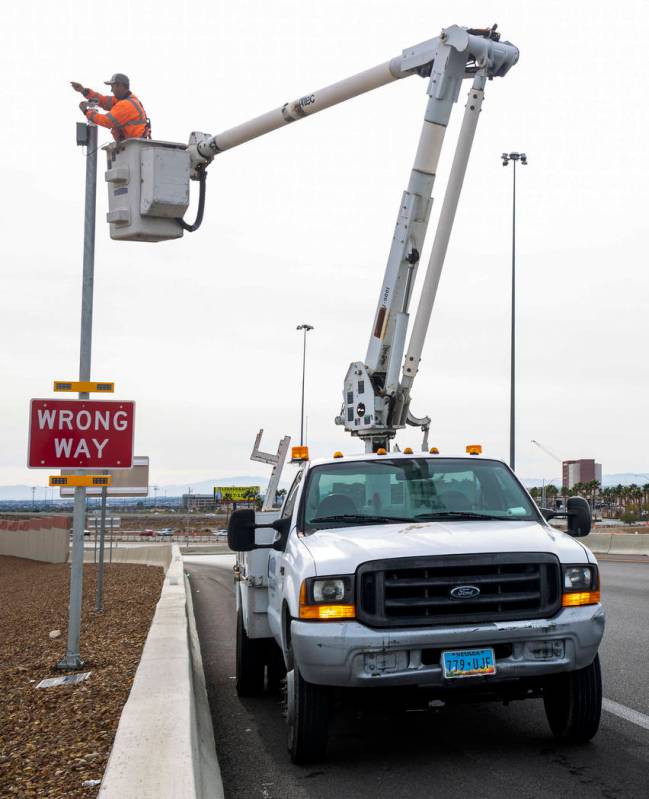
(126, 119)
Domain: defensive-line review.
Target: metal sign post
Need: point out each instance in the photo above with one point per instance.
(72, 659)
(99, 600)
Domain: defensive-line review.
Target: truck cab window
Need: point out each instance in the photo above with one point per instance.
(289, 504)
(411, 489)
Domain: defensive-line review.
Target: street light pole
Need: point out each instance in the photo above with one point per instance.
(514, 158)
(86, 136)
(306, 329)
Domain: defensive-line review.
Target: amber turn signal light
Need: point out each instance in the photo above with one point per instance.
(575, 598)
(324, 612)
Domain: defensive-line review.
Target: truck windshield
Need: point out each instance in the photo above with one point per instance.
(414, 490)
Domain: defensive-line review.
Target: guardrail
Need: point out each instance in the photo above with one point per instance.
(176, 539)
(164, 745)
(618, 543)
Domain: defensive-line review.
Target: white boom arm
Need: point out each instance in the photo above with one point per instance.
(375, 401)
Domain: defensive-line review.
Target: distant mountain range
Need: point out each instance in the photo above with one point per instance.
(22, 493)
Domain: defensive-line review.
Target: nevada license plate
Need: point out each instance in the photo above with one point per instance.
(468, 663)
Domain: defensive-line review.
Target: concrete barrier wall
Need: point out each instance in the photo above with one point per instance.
(164, 745)
(44, 538)
(149, 554)
(618, 543)
(600, 543)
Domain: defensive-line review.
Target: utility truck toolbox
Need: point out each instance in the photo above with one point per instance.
(415, 570)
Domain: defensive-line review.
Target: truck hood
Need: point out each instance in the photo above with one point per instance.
(343, 549)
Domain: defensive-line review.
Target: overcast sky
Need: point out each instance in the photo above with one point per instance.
(200, 332)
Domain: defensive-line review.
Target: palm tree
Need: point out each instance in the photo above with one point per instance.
(592, 489)
(551, 492)
(645, 495)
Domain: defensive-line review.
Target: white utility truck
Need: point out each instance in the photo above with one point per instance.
(435, 574)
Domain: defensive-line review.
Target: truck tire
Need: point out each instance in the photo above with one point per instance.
(573, 703)
(250, 661)
(309, 709)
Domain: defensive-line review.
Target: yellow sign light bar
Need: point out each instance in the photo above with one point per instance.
(299, 453)
(85, 480)
(84, 386)
(474, 449)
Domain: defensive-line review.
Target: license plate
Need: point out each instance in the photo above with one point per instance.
(468, 663)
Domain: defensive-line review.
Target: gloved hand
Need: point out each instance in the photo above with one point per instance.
(77, 86)
(83, 106)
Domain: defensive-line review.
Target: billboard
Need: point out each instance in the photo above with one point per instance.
(235, 493)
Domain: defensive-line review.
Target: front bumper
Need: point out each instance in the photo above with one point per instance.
(349, 654)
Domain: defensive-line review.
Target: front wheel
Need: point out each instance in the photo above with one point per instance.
(308, 711)
(573, 703)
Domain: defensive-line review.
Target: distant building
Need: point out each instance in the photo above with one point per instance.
(198, 502)
(581, 471)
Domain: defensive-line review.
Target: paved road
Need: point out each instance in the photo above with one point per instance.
(477, 751)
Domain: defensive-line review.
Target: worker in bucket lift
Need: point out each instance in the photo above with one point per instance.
(126, 116)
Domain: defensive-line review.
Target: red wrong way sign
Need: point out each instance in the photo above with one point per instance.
(81, 434)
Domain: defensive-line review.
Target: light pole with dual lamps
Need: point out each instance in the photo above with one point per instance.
(514, 158)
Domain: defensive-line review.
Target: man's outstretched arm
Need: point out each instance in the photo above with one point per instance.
(104, 101)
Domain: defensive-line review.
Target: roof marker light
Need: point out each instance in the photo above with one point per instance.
(381, 451)
(434, 451)
(299, 453)
(338, 454)
(474, 449)
(407, 451)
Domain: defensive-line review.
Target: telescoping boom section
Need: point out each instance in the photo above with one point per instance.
(149, 193)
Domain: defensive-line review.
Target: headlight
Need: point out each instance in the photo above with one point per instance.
(579, 578)
(580, 585)
(332, 590)
(327, 598)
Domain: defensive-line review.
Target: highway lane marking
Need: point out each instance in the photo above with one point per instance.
(626, 713)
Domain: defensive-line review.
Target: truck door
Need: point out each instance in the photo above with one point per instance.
(277, 566)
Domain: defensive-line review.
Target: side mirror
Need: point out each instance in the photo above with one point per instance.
(241, 531)
(282, 526)
(579, 517)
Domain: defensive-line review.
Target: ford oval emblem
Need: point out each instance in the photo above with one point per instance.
(465, 592)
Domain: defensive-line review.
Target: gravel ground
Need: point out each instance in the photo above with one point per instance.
(53, 739)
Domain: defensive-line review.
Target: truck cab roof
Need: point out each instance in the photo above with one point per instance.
(368, 456)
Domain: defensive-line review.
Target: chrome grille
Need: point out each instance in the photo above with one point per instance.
(417, 591)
